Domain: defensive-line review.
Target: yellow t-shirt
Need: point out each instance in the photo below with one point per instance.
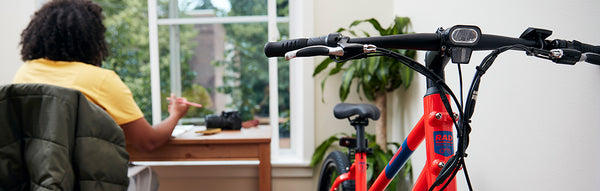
(101, 86)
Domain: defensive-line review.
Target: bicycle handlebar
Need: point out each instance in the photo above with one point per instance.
(418, 41)
(433, 41)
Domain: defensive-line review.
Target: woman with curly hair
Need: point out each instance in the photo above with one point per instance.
(64, 45)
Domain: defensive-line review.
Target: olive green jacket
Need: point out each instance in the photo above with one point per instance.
(52, 138)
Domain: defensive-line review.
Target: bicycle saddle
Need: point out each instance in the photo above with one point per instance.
(345, 110)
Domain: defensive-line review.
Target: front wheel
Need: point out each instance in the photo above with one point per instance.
(335, 164)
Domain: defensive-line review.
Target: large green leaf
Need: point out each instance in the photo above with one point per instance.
(352, 32)
(341, 30)
(322, 66)
(323, 88)
(335, 70)
(382, 158)
(383, 73)
(321, 149)
(370, 171)
(366, 34)
(407, 76)
(372, 67)
(376, 25)
(369, 80)
(368, 91)
(354, 23)
(347, 81)
(338, 67)
(402, 24)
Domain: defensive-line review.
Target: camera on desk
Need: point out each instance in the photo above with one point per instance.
(228, 120)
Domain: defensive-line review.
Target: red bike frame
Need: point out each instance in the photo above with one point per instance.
(435, 126)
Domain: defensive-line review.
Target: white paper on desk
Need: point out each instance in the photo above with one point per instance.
(181, 129)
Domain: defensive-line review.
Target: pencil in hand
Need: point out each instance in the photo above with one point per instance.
(180, 100)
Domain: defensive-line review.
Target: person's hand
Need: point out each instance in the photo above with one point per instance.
(250, 123)
(176, 108)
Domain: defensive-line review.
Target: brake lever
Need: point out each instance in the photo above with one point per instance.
(353, 50)
(315, 51)
(565, 56)
(341, 52)
(572, 56)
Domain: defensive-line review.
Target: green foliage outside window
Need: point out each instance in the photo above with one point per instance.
(248, 83)
(246, 78)
(129, 55)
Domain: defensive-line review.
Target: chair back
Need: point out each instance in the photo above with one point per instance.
(53, 138)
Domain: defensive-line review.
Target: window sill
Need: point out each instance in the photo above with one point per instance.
(198, 168)
(196, 163)
(288, 165)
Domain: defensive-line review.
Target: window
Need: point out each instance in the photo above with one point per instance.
(210, 51)
(228, 60)
(215, 59)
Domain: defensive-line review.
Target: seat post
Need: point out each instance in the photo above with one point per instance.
(359, 124)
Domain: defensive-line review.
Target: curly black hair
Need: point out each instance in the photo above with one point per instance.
(66, 30)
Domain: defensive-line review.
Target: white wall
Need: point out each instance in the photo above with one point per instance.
(14, 16)
(329, 15)
(537, 124)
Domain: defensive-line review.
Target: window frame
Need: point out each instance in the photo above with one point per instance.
(301, 82)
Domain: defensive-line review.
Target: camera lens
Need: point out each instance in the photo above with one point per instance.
(226, 121)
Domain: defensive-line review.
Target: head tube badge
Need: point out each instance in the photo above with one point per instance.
(443, 143)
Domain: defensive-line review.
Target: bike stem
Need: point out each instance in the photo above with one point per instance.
(435, 61)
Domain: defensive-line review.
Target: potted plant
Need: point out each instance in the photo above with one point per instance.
(376, 77)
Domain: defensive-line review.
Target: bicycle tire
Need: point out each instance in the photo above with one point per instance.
(335, 164)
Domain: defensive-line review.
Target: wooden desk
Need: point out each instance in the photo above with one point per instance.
(247, 144)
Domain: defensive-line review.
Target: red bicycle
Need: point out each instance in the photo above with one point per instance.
(436, 124)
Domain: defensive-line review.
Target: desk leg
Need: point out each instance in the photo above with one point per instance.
(264, 167)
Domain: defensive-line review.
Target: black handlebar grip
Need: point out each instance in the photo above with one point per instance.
(592, 58)
(581, 47)
(278, 49)
(586, 47)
